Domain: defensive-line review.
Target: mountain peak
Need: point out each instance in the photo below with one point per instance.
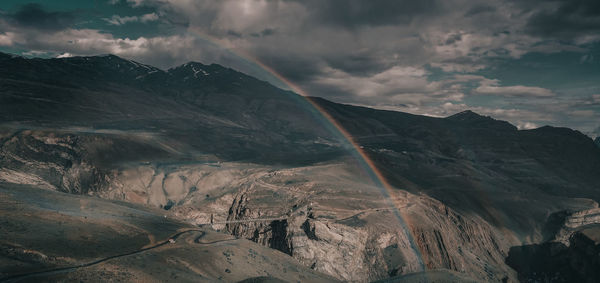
(465, 115)
(194, 64)
(195, 70)
(191, 64)
(192, 69)
(473, 119)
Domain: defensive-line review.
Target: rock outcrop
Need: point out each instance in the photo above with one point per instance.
(572, 222)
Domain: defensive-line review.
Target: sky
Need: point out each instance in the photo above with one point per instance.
(532, 63)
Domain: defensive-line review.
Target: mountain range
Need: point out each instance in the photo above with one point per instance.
(208, 145)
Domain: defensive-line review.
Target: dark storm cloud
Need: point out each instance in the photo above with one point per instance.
(453, 38)
(34, 15)
(357, 64)
(267, 32)
(479, 9)
(353, 13)
(295, 68)
(566, 19)
(234, 33)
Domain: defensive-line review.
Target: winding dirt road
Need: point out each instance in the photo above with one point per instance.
(171, 239)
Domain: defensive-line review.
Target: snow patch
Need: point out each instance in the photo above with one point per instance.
(198, 71)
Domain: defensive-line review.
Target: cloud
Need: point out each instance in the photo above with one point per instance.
(565, 19)
(526, 126)
(148, 17)
(480, 9)
(65, 55)
(393, 81)
(517, 90)
(118, 20)
(492, 87)
(33, 15)
(584, 113)
(6, 39)
(357, 13)
(399, 87)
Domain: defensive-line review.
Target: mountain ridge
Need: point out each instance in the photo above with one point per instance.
(468, 115)
(231, 146)
(108, 91)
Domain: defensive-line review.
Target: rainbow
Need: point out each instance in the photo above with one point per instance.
(366, 162)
